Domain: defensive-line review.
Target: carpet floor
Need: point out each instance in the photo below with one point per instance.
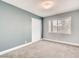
(44, 49)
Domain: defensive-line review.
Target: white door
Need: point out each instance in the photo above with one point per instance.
(36, 29)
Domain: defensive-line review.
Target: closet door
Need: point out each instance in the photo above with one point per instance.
(36, 29)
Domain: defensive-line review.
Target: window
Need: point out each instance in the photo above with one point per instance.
(60, 26)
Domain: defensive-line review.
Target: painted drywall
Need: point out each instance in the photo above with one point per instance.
(15, 26)
(74, 37)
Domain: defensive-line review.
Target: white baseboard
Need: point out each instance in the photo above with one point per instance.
(12, 49)
(68, 43)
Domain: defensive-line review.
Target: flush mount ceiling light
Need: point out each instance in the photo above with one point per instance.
(47, 4)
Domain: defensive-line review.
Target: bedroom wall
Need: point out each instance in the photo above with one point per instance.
(15, 26)
(74, 37)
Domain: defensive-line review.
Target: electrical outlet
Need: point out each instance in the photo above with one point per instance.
(25, 41)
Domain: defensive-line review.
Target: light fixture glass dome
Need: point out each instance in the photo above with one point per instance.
(47, 4)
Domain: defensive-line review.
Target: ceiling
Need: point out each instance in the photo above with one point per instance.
(34, 7)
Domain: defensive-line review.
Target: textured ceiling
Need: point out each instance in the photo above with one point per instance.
(33, 6)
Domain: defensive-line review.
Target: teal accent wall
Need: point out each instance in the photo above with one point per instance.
(15, 26)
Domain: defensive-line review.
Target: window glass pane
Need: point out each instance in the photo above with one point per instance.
(54, 25)
(49, 26)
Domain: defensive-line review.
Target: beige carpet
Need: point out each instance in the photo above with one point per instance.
(45, 49)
